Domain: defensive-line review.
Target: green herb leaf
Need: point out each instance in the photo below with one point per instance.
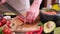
(1, 31)
(40, 24)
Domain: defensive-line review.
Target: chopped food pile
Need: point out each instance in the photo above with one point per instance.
(11, 23)
(49, 11)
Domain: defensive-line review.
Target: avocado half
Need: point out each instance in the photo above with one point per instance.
(49, 26)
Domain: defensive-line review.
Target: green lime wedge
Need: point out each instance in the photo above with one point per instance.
(57, 30)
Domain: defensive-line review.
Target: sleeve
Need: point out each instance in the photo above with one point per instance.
(19, 5)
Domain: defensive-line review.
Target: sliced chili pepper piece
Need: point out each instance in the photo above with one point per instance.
(29, 33)
(41, 29)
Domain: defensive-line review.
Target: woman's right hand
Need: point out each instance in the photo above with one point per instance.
(33, 11)
(2, 1)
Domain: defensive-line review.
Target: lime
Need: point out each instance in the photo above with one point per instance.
(57, 30)
(56, 7)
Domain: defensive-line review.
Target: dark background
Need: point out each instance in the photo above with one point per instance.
(42, 4)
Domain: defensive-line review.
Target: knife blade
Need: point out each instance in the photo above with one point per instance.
(11, 8)
(21, 17)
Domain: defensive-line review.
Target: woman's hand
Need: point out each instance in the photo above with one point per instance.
(2, 1)
(33, 11)
(32, 14)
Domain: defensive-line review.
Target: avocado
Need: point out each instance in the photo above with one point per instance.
(49, 26)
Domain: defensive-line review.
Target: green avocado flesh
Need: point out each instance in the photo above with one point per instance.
(49, 26)
(57, 30)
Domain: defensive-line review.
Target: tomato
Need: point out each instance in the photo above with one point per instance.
(4, 21)
(0, 20)
(8, 23)
(0, 24)
(7, 31)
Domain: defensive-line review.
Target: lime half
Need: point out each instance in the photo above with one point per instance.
(57, 30)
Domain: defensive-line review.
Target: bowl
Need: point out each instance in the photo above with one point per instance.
(57, 20)
(49, 17)
(46, 17)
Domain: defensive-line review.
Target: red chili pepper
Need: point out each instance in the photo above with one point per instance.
(8, 23)
(29, 33)
(41, 29)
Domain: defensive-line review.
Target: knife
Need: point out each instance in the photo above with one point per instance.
(11, 8)
(20, 16)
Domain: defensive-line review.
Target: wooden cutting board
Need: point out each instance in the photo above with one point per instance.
(29, 27)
